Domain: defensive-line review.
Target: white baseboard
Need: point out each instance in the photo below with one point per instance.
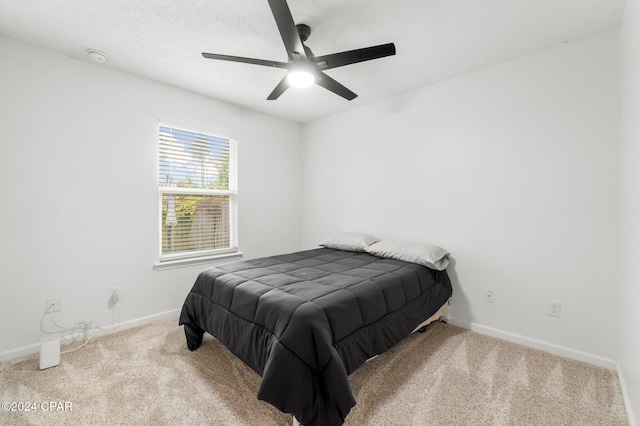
(35, 348)
(537, 344)
(625, 396)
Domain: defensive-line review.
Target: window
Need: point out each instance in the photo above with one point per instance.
(198, 191)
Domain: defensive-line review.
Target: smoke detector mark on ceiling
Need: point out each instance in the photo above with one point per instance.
(97, 56)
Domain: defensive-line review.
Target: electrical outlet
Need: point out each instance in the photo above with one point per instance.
(53, 304)
(114, 296)
(488, 295)
(553, 308)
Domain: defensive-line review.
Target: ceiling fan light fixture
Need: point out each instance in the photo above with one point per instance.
(300, 78)
(303, 67)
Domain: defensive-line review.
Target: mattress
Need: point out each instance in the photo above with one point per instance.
(304, 321)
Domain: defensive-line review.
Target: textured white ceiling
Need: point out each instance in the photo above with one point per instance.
(435, 39)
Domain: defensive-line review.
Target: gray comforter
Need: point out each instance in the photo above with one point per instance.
(305, 321)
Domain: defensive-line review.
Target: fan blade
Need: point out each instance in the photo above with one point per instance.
(288, 31)
(245, 60)
(335, 60)
(335, 87)
(279, 90)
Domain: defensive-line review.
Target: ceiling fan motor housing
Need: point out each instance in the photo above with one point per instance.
(304, 31)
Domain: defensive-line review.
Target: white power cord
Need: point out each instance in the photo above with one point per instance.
(84, 328)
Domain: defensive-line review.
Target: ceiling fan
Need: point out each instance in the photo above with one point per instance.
(303, 67)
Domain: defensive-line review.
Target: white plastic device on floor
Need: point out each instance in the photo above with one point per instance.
(49, 351)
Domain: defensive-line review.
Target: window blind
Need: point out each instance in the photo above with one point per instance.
(198, 190)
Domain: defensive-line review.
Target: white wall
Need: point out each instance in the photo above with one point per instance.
(629, 358)
(513, 168)
(78, 189)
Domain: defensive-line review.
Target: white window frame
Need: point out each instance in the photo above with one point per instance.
(173, 260)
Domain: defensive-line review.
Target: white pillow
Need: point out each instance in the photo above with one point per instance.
(421, 253)
(348, 241)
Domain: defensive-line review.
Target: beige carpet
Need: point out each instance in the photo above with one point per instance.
(446, 376)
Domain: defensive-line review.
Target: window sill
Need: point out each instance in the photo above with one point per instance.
(192, 261)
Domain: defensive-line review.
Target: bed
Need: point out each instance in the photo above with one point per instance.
(304, 321)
